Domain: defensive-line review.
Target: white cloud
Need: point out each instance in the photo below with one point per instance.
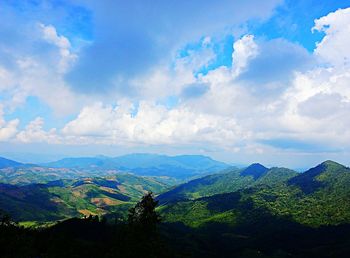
(7, 128)
(152, 124)
(317, 103)
(170, 80)
(49, 34)
(244, 50)
(311, 105)
(34, 132)
(334, 47)
(6, 79)
(32, 71)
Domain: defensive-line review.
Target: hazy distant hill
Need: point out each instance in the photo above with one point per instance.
(5, 163)
(185, 166)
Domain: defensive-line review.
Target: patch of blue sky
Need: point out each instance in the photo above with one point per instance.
(135, 109)
(223, 50)
(294, 20)
(169, 102)
(186, 50)
(79, 29)
(34, 108)
(70, 20)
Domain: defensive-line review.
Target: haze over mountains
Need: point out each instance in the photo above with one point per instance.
(182, 167)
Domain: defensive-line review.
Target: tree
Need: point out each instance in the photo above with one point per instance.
(5, 219)
(143, 215)
(142, 238)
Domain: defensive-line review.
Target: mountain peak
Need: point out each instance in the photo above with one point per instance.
(308, 181)
(256, 170)
(331, 163)
(256, 165)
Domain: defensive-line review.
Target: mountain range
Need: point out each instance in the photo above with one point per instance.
(319, 196)
(254, 211)
(181, 167)
(91, 186)
(78, 186)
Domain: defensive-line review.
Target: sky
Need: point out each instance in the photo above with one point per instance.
(240, 81)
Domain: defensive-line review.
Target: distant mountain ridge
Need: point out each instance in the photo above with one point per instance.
(4, 163)
(183, 166)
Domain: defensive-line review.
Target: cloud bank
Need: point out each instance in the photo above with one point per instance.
(154, 90)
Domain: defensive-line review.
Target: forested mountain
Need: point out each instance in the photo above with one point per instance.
(319, 196)
(229, 180)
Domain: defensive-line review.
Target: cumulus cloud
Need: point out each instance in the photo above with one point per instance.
(322, 93)
(275, 96)
(8, 129)
(33, 63)
(275, 65)
(66, 56)
(145, 36)
(334, 47)
(152, 124)
(34, 132)
(245, 49)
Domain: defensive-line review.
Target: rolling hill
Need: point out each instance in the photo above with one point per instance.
(67, 198)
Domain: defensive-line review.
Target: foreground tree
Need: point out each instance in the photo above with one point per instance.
(144, 215)
(142, 238)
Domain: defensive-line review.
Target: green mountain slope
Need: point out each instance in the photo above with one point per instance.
(229, 181)
(319, 196)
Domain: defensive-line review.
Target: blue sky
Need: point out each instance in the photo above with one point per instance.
(241, 81)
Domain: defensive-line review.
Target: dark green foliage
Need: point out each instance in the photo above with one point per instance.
(278, 191)
(142, 230)
(144, 215)
(307, 181)
(229, 181)
(260, 235)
